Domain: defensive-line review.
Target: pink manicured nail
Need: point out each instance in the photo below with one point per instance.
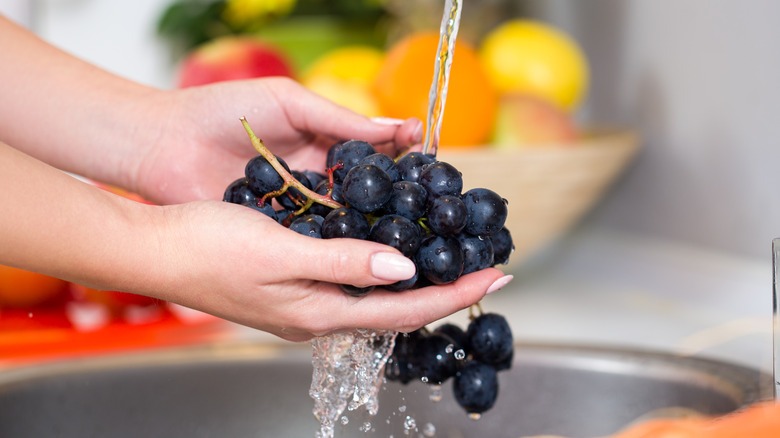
(387, 121)
(393, 267)
(498, 284)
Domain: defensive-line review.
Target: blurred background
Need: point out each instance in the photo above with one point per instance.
(677, 253)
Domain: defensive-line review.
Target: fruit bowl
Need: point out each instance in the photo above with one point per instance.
(548, 187)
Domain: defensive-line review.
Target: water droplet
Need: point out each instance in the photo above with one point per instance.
(429, 430)
(449, 349)
(424, 379)
(344, 420)
(410, 423)
(460, 354)
(402, 408)
(366, 427)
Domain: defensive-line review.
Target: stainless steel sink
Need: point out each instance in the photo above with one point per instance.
(261, 391)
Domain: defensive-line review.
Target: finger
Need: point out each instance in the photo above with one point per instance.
(346, 261)
(410, 310)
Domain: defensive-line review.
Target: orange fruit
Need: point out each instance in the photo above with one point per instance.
(404, 80)
(20, 288)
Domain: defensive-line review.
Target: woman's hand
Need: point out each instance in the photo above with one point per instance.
(241, 265)
(200, 146)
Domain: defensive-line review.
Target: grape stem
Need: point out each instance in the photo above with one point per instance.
(289, 180)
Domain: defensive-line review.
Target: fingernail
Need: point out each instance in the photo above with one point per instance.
(387, 121)
(498, 284)
(388, 266)
(417, 135)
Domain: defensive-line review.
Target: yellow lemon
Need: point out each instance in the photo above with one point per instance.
(532, 57)
(345, 75)
(356, 63)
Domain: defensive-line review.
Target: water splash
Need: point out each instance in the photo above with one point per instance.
(346, 374)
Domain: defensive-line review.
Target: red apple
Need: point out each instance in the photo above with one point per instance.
(231, 58)
(526, 120)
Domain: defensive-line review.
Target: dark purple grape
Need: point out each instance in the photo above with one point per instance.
(506, 363)
(486, 210)
(288, 198)
(356, 291)
(402, 285)
(349, 154)
(502, 246)
(440, 179)
(436, 357)
(284, 216)
(440, 259)
(402, 365)
(456, 335)
(238, 192)
(490, 338)
(314, 177)
(345, 222)
(410, 165)
(476, 387)
(308, 225)
(322, 189)
(408, 199)
(398, 232)
(477, 252)
(384, 162)
(267, 209)
(367, 188)
(262, 177)
(447, 215)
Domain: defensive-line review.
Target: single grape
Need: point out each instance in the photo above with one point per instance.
(284, 216)
(349, 154)
(486, 212)
(322, 189)
(308, 225)
(502, 246)
(367, 188)
(238, 192)
(262, 177)
(447, 215)
(398, 232)
(490, 338)
(356, 291)
(267, 209)
(456, 335)
(384, 162)
(410, 165)
(477, 252)
(475, 387)
(436, 357)
(345, 222)
(288, 198)
(314, 177)
(440, 259)
(440, 179)
(402, 365)
(402, 285)
(408, 199)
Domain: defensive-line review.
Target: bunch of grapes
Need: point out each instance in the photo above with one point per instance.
(414, 203)
(472, 358)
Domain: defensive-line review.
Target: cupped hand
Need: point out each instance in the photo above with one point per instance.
(241, 265)
(199, 145)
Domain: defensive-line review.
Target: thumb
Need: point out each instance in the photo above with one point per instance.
(350, 261)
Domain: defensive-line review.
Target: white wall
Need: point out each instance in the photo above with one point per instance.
(700, 79)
